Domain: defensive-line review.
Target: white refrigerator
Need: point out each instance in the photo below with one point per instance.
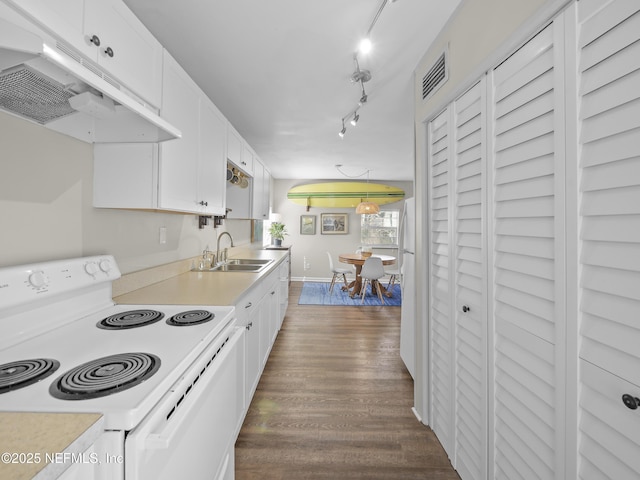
(407, 269)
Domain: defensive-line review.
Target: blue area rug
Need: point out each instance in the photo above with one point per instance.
(317, 293)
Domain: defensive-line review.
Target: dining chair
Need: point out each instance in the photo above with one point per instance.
(372, 271)
(337, 271)
(394, 275)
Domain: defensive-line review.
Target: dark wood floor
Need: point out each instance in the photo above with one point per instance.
(334, 402)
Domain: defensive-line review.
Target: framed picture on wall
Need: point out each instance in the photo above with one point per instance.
(307, 224)
(334, 223)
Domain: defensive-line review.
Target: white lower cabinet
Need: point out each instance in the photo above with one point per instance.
(270, 314)
(259, 312)
(284, 277)
(248, 309)
(533, 186)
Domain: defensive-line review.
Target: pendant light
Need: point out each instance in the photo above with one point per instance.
(367, 208)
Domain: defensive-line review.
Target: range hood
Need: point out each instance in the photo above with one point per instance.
(44, 81)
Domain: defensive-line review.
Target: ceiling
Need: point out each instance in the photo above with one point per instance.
(280, 71)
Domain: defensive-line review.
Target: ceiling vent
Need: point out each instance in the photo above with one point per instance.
(435, 77)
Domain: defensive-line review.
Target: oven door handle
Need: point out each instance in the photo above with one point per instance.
(163, 439)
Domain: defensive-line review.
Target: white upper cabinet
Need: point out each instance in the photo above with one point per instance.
(127, 49)
(178, 172)
(110, 35)
(239, 152)
(192, 169)
(212, 167)
(248, 159)
(235, 144)
(261, 191)
(184, 175)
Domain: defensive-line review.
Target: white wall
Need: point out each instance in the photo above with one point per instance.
(46, 210)
(314, 247)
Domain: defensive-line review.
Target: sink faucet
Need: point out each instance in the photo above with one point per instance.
(223, 259)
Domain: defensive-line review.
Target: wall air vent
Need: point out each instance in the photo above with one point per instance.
(435, 77)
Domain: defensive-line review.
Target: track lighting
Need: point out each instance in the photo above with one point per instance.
(363, 98)
(354, 116)
(362, 75)
(365, 46)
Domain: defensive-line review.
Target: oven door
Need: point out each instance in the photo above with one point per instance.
(191, 432)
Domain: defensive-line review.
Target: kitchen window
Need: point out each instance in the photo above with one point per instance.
(380, 229)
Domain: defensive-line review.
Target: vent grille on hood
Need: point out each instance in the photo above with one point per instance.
(73, 55)
(34, 96)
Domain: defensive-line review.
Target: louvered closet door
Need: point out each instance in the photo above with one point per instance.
(528, 284)
(469, 309)
(441, 326)
(609, 89)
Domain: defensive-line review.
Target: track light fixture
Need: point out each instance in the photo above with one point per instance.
(362, 75)
(363, 98)
(343, 131)
(365, 46)
(354, 116)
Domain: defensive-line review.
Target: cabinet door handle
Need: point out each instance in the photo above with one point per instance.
(203, 203)
(109, 52)
(95, 40)
(466, 308)
(248, 305)
(249, 325)
(630, 401)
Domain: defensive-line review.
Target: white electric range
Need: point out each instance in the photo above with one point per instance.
(66, 347)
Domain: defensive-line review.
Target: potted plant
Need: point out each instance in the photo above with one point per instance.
(277, 231)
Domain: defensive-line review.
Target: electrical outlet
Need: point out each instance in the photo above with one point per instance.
(305, 264)
(163, 235)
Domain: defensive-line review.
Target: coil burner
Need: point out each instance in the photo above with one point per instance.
(191, 317)
(19, 374)
(105, 376)
(130, 319)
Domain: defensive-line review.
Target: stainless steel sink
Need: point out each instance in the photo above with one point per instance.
(248, 261)
(234, 267)
(239, 265)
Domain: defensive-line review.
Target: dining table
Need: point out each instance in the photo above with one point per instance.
(357, 260)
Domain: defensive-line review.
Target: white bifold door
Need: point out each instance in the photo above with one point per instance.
(458, 287)
(609, 134)
(534, 257)
(528, 260)
(497, 268)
